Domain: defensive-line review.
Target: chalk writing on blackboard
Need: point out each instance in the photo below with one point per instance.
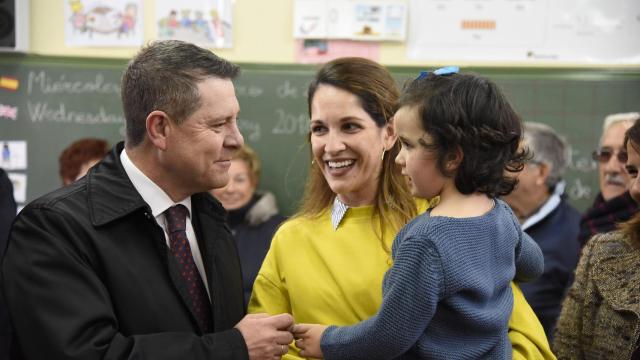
(290, 124)
(58, 113)
(249, 129)
(288, 91)
(46, 84)
(251, 91)
(582, 163)
(577, 190)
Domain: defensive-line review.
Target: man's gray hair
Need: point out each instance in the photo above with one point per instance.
(612, 119)
(548, 147)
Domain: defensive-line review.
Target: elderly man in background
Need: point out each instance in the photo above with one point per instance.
(613, 204)
(539, 203)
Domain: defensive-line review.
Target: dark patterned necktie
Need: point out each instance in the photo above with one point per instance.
(176, 222)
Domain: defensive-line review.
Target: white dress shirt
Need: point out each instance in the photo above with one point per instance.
(159, 201)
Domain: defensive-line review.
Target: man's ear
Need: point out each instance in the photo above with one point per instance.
(158, 126)
(542, 173)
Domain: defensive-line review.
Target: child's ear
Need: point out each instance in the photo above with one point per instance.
(454, 159)
(389, 135)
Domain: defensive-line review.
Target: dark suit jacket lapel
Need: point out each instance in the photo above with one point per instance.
(206, 226)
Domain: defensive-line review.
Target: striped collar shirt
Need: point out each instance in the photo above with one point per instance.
(338, 212)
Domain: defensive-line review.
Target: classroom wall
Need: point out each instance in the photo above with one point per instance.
(262, 34)
(573, 99)
(269, 42)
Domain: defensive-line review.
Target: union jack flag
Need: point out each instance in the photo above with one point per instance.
(9, 112)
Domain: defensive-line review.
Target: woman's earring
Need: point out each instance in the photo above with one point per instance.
(450, 165)
(383, 151)
(313, 161)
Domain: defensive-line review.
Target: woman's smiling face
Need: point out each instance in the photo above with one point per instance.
(347, 144)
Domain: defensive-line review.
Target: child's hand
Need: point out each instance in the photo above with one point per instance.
(308, 339)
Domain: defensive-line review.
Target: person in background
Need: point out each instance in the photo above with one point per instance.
(600, 317)
(253, 216)
(134, 260)
(613, 204)
(542, 208)
(79, 157)
(326, 264)
(7, 214)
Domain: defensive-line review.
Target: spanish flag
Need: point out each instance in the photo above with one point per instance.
(9, 83)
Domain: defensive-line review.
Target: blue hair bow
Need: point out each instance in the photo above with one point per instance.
(447, 70)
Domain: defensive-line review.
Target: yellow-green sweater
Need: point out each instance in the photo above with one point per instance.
(329, 277)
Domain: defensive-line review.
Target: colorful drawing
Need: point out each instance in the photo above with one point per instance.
(95, 23)
(14, 155)
(6, 153)
(207, 23)
(129, 19)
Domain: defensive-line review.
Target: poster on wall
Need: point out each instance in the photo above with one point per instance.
(103, 23)
(315, 51)
(381, 20)
(208, 23)
(570, 31)
(13, 154)
(19, 183)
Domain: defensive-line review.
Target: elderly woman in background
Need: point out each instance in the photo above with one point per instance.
(326, 265)
(79, 157)
(253, 216)
(600, 318)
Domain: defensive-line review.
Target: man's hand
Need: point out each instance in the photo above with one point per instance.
(308, 339)
(267, 337)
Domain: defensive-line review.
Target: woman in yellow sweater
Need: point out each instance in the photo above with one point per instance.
(327, 263)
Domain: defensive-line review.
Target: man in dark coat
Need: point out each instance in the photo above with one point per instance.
(135, 261)
(7, 214)
(542, 208)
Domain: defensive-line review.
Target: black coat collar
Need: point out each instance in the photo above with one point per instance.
(111, 194)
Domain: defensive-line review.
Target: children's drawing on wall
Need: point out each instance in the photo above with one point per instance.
(103, 23)
(204, 22)
(14, 154)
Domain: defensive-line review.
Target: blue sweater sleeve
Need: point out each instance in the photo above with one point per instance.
(529, 258)
(411, 291)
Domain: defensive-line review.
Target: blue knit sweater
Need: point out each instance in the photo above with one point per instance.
(447, 295)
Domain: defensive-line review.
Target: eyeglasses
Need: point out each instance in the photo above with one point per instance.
(604, 155)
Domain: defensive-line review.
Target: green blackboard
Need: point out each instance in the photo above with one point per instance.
(59, 100)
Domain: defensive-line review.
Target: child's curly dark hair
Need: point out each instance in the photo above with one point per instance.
(469, 113)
